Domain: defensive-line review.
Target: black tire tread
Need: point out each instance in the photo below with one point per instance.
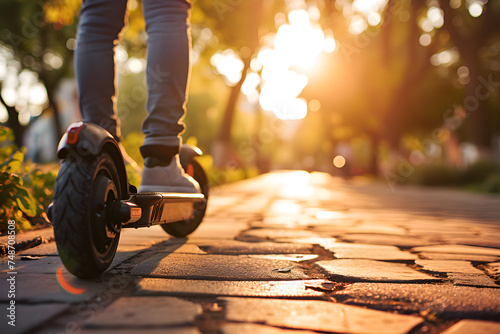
(183, 228)
(72, 194)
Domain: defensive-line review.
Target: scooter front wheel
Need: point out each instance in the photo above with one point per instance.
(86, 238)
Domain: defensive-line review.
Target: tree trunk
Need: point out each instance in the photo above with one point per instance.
(412, 74)
(222, 143)
(57, 116)
(478, 125)
(468, 45)
(50, 86)
(374, 158)
(50, 80)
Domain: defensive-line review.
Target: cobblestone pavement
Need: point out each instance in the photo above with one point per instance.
(287, 252)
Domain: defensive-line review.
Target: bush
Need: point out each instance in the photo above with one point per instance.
(217, 176)
(478, 172)
(492, 183)
(41, 185)
(7, 146)
(482, 176)
(26, 191)
(16, 200)
(435, 175)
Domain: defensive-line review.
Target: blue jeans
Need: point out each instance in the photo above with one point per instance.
(167, 73)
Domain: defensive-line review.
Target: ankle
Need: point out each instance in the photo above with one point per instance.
(151, 162)
(158, 155)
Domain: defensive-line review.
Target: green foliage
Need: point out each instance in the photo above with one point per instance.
(435, 175)
(134, 178)
(15, 198)
(6, 143)
(33, 29)
(219, 176)
(237, 24)
(36, 38)
(132, 102)
(131, 143)
(26, 191)
(478, 172)
(492, 183)
(482, 176)
(41, 184)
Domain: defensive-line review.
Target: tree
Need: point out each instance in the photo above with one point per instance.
(39, 36)
(372, 76)
(381, 82)
(472, 36)
(239, 26)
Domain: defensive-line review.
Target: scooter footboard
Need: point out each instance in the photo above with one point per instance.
(160, 208)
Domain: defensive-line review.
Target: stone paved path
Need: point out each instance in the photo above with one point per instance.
(287, 252)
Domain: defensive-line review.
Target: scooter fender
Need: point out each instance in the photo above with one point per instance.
(188, 153)
(83, 139)
(87, 140)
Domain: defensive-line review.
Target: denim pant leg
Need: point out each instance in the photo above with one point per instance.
(168, 70)
(100, 24)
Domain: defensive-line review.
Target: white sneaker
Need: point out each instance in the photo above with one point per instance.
(168, 179)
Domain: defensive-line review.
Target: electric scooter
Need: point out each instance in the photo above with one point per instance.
(93, 200)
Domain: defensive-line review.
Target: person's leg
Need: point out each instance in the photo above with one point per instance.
(168, 69)
(100, 24)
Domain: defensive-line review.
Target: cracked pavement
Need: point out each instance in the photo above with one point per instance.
(287, 252)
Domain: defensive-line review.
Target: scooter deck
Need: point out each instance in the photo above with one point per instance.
(147, 209)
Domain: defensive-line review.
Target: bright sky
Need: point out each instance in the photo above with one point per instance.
(22, 89)
(295, 46)
(274, 80)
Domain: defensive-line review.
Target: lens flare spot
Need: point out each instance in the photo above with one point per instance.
(476, 9)
(67, 286)
(339, 161)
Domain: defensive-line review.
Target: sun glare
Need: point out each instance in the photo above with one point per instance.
(357, 25)
(298, 185)
(292, 109)
(368, 6)
(136, 65)
(296, 45)
(476, 9)
(37, 94)
(229, 65)
(293, 49)
(279, 92)
(300, 42)
(329, 45)
(363, 13)
(435, 15)
(374, 18)
(4, 115)
(425, 39)
(9, 94)
(445, 58)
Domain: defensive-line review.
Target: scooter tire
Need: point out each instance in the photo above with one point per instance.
(183, 228)
(85, 241)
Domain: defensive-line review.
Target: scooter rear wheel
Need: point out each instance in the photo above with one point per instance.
(185, 227)
(86, 240)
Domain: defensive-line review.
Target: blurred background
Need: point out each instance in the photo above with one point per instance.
(405, 91)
